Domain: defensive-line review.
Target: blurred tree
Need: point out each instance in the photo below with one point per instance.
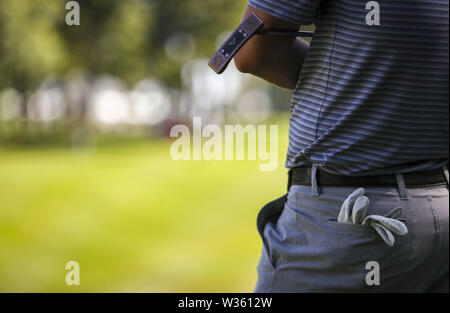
(123, 38)
(30, 46)
(203, 19)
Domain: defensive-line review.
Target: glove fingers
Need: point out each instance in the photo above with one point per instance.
(360, 209)
(384, 233)
(392, 224)
(345, 213)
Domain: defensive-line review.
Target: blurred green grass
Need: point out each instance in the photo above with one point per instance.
(135, 220)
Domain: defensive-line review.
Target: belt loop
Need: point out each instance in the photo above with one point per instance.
(289, 179)
(314, 188)
(446, 174)
(401, 187)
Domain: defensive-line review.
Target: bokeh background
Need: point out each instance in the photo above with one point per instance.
(85, 169)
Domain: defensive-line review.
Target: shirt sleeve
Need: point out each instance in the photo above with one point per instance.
(303, 12)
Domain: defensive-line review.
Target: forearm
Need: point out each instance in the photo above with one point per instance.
(283, 66)
(277, 60)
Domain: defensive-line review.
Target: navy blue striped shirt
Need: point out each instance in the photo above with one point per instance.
(371, 99)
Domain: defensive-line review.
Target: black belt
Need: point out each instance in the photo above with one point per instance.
(302, 176)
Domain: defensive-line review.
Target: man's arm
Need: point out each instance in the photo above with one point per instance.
(277, 60)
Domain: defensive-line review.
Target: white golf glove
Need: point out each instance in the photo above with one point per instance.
(354, 209)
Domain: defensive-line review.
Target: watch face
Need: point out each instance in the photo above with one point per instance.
(233, 42)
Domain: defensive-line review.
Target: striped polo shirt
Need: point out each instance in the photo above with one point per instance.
(370, 99)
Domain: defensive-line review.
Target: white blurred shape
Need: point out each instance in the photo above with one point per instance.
(10, 100)
(255, 105)
(109, 103)
(77, 91)
(110, 106)
(150, 103)
(209, 89)
(47, 104)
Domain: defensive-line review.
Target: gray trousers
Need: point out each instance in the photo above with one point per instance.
(307, 250)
